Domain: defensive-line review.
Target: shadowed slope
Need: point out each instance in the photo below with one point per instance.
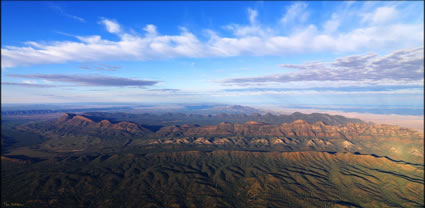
(216, 179)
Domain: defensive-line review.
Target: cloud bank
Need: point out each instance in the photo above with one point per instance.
(374, 30)
(399, 67)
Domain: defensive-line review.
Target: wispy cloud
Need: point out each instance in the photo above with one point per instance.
(252, 15)
(381, 15)
(297, 12)
(414, 91)
(165, 90)
(342, 89)
(99, 67)
(27, 84)
(400, 65)
(253, 39)
(61, 11)
(85, 80)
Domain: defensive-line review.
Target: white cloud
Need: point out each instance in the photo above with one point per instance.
(252, 15)
(86, 39)
(112, 26)
(253, 29)
(151, 30)
(381, 15)
(296, 13)
(250, 30)
(247, 40)
(332, 25)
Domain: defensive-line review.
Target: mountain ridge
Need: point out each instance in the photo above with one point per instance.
(214, 119)
(250, 128)
(74, 132)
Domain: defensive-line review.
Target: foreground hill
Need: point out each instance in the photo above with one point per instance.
(214, 179)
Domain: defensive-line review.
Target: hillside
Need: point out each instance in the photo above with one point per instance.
(86, 160)
(214, 179)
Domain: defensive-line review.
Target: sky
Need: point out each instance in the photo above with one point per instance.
(283, 53)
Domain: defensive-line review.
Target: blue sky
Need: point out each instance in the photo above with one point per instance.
(284, 53)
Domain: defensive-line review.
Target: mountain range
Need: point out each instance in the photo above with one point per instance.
(73, 132)
(103, 159)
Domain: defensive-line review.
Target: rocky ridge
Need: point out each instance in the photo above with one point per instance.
(77, 133)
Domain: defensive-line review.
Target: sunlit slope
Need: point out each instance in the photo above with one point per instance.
(77, 133)
(214, 179)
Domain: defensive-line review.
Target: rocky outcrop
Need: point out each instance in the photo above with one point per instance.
(73, 123)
